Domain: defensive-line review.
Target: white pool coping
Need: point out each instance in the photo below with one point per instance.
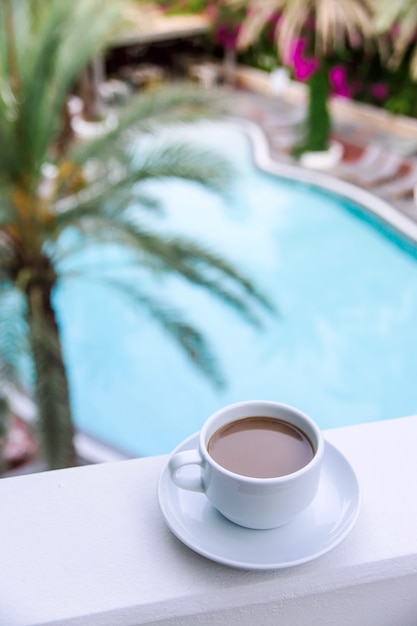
(366, 199)
(88, 547)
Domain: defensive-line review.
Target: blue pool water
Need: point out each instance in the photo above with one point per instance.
(343, 349)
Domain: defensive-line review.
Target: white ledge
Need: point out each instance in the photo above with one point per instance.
(88, 547)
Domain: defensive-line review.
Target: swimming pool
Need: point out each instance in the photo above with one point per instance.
(343, 348)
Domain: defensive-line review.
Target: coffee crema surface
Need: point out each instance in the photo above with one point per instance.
(261, 447)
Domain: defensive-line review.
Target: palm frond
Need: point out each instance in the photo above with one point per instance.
(118, 182)
(401, 15)
(258, 14)
(192, 342)
(341, 21)
(294, 16)
(184, 161)
(9, 160)
(178, 255)
(336, 21)
(390, 13)
(67, 37)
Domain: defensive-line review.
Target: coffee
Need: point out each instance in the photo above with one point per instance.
(261, 447)
(246, 454)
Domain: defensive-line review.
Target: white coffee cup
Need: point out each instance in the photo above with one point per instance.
(259, 503)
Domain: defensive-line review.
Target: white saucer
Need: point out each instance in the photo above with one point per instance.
(317, 530)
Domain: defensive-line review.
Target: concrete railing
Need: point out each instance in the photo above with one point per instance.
(88, 546)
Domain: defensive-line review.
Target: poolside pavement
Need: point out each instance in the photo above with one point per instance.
(390, 175)
(264, 97)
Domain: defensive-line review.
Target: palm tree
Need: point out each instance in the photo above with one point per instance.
(44, 45)
(4, 423)
(328, 25)
(401, 17)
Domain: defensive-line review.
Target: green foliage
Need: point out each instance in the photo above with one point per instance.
(398, 20)
(318, 122)
(262, 52)
(53, 41)
(401, 88)
(174, 7)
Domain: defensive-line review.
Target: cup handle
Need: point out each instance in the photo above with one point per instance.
(176, 462)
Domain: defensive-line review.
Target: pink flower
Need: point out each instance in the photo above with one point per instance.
(226, 36)
(395, 31)
(338, 82)
(293, 57)
(380, 91)
(211, 12)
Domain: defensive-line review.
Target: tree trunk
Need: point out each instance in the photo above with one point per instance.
(4, 430)
(318, 122)
(87, 88)
(229, 66)
(51, 383)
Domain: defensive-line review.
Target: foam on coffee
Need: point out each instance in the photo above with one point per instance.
(261, 447)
